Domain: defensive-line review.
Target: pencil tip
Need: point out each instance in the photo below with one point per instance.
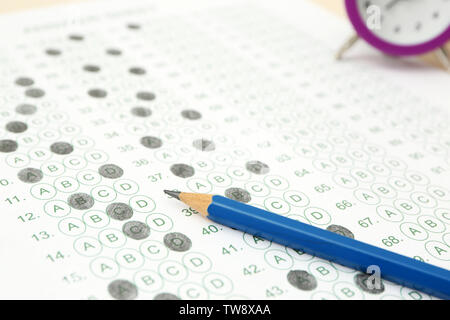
(174, 194)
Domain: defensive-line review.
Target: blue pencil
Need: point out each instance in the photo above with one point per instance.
(325, 244)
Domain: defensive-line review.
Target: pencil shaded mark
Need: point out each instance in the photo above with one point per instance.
(61, 148)
(191, 114)
(26, 109)
(362, 281)
(141, 112)
(30, 175)
(8, 145)
(257, 167)
(110, 171)
(177, 241)
(97, 93)
(24, 81)
(145, 95)
(122, 290)
(302, 280)
(133, 26)
(238, 194)
(151, 142)
(166, 296)
(16, 126)
(91, 68)
(53, 52)
(137, 71)
(204, 145)
(343, 231)
(136, 230)
(119, 211)
(35, 93)
(81, 201)
(114, 52)
(76, 37)
(182, 170)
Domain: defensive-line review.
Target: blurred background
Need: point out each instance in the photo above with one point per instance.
(336, 6)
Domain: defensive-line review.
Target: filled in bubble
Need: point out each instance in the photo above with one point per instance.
(343, 231)
(182, 170)
(122, 290)
(119, 211)
(302, 280)
(30, 175)
(177, 241)
(238, 194)
(110, 171)
(81, 201)
(151, 142)
(136, 230)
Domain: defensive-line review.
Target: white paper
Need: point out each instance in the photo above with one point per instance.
(263, 77)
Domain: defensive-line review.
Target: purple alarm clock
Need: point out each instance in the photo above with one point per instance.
(401, 27)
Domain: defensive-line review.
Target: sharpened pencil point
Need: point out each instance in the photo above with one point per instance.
(173, 194)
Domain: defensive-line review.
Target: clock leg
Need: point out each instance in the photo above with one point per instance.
(443, 57)
(347, 45)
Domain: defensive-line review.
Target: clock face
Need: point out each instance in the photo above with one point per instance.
(405, 22)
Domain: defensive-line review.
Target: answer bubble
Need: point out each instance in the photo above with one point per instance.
(133, 26)
(114, 52)
(122, 290)
(146, 96)
(204, 145)
(302, 280)
(166, 296)
(57, 208)
(238, 194)
(61, 148)
(191, 114)
(26, 109)
(151, 142)
(217, 283)
(256, 242)
(141, 112)
(153, 250)
(16, 126)
(91, 68)
(257, 167)
(192, 291)
(362, 279)
(148, 280)
(137, 71)
(104, 268)
(119, 211)
(24, 81)
(343, 231)
(35, 93)
(110, 171)
(53, 52)
(136, 230)
(76, 37)
(87, 246)
(8, 145)
(177, 241)
(30, 175)
(182, 170)
(97, 93)
(80, 201)
(197, 262)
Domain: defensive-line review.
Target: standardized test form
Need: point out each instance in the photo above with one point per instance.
(105, 104)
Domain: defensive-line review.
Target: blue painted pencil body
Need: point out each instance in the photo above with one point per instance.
(394, 267)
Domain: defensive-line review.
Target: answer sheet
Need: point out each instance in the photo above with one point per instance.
(105, 104)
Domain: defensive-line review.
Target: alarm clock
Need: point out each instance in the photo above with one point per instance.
(401, 27)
